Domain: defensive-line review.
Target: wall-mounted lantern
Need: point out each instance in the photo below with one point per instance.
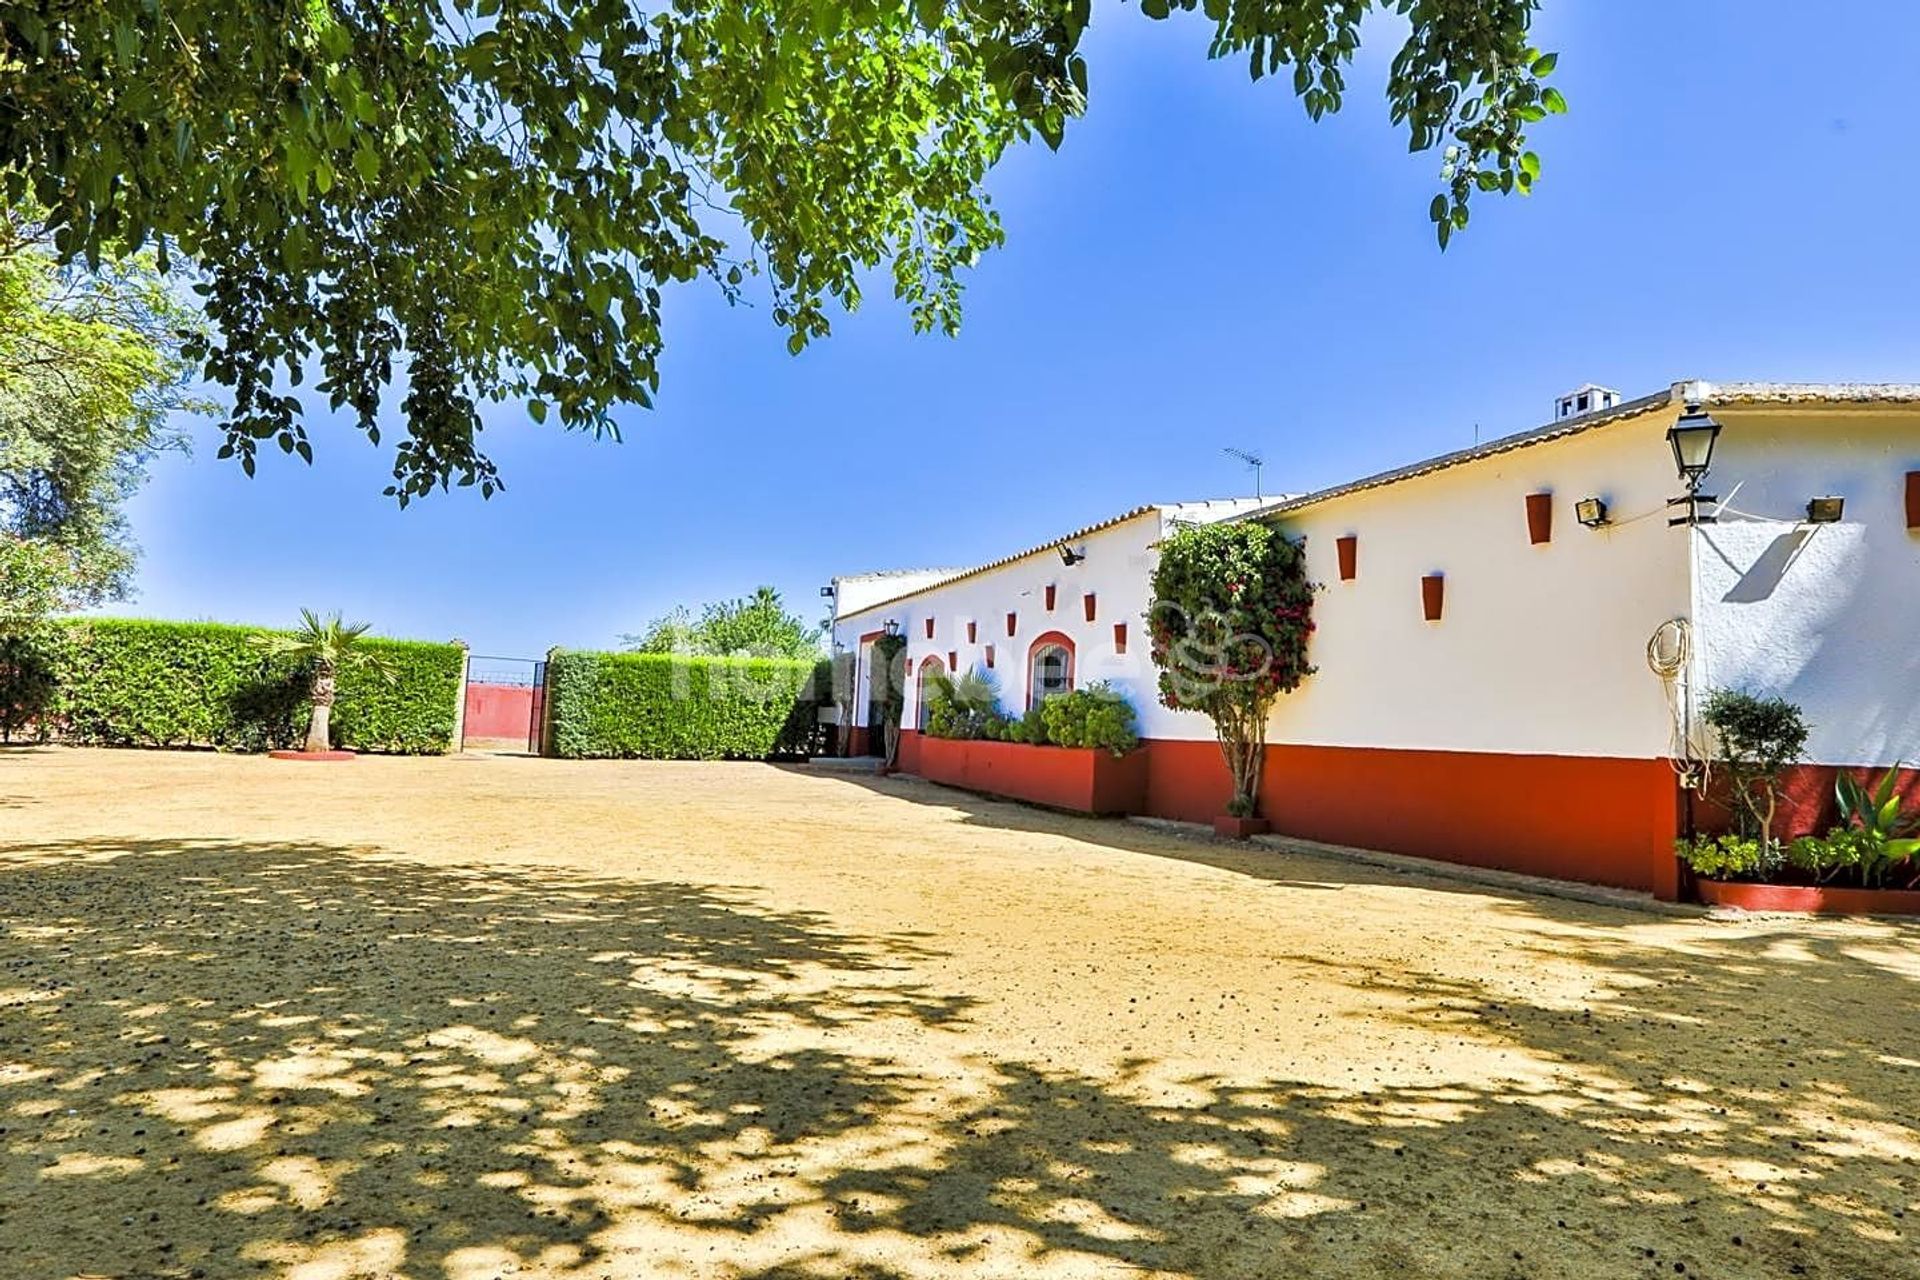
(1539, 518)
(1692, 439)
(1592, 512)
(893, 627)
(1348, 547)
(1087, 603)
(1827, 510)
(1433, 593)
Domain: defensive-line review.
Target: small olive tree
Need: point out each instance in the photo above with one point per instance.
(1231, 618)
(1759, 738)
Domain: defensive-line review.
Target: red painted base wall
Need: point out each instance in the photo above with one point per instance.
(1605, 821)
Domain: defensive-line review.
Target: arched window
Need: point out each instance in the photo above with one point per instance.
(928, 670)
(1049, 668)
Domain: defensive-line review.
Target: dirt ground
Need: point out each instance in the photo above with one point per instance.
(483, 1017)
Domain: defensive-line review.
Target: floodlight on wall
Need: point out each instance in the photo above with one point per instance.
(1591, 512)
(1071, 556)
(826, 593)
(1827, 510)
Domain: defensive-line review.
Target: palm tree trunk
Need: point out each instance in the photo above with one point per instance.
(318, 736)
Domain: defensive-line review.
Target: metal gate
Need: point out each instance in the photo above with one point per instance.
(505, 704)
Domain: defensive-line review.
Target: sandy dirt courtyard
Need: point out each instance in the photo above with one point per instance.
(479, 1018)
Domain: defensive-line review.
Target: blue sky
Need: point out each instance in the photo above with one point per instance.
(1733, 195)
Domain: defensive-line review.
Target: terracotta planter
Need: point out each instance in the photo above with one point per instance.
(1088, 601)
(1013, 620)
(1080, 780)
(319, 757)
(1539, 518)
(1233, 828)
(989, 655)
(973, 632)
(1433, 593)
(1823, 899)
(1913, 499)
(1050, 593)
(1119, 637)
(929, 628)
(1349, 548)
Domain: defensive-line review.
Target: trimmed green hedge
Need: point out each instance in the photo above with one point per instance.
(666, 707)
(137, 683)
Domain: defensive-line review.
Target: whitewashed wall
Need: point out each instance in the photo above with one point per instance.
(1827, 616)
(1117, 569)
(1541, 649)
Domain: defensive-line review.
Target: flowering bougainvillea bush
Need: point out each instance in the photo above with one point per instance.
(1230, 624)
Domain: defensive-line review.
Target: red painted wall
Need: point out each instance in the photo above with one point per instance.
(1807, 805)
(1605, 821)
(499, 710)
(1060, 777)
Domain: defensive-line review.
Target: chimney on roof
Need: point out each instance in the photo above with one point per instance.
(1582, 400)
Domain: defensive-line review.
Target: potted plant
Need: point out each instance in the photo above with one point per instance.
(1231, 619)
(325, 647)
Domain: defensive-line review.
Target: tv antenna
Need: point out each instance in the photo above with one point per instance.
(1251, 460)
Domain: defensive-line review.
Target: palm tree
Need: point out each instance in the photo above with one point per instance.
(326, 646)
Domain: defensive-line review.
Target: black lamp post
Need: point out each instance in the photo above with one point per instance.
(1692, 439)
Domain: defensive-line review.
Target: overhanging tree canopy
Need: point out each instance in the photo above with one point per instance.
(487, 196)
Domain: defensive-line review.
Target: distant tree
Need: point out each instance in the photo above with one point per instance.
(91, 372)
(757, 626)
(326, 647)
(490, 196)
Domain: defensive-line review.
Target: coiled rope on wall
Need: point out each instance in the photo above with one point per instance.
(1670, 657)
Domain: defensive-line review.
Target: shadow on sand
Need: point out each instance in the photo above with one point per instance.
(223, 1059)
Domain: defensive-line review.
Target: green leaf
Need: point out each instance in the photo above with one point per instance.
(1545, 63)
(1554, 101)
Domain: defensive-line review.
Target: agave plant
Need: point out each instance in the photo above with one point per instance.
(326, 647)
(1888, 833)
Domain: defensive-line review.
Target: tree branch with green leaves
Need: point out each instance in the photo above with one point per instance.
(486, 199)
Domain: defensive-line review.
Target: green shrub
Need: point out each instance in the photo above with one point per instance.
(29, 679)
(668, 707)
(966, 707)
(1096, 716)
(1759, 738)
(1722, 857)
(1827, 857)
(138, 683)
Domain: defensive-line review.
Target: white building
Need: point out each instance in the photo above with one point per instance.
(1523, 727)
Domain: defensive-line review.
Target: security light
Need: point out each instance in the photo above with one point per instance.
(1591, 512)
(1826, 510)
(826, 593)
(1071, 556)
(1692, 438)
